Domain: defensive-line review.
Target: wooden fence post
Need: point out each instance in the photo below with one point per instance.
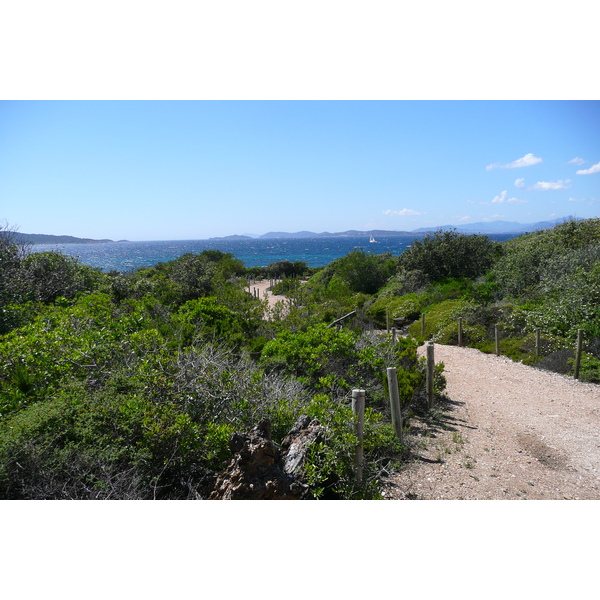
(578, 353)
(358, 408)
(387, 320)
(497, 336)
(392, 378)
(430, 374)
(422, 324)
(460, 332)
(393, 335)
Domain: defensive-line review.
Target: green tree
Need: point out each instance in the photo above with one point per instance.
(11, 256)
(533, 263)
(358, 271)
(46, 276)
(449, 254)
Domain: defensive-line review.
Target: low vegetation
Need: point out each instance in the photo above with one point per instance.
(129, 385)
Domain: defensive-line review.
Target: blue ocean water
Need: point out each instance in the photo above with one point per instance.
(316, 252)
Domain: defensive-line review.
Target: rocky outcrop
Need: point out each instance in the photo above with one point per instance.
(260, 470)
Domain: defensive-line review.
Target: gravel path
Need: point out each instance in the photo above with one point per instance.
(506, 431)
(263, 286)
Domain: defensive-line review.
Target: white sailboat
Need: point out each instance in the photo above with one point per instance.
(372, 240)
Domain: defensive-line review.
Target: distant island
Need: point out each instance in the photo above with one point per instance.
(233, 237)
(42, 238)
(483, 228)
(491, 227)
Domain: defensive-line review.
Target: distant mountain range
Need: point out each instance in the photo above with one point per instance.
(496, 227)
(491, 227)
(483, 227)
(41, 238)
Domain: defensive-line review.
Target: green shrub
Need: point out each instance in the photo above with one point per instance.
(330, 468)
(408, 306)
(449, 254)
(533, 264)
(100, 446)
(589, 367)
(442, 317)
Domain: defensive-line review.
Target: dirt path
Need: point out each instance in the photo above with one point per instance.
(505, 431)
(262, 287)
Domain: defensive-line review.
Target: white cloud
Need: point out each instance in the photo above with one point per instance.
(405, 212)
(593, 169)
(576, 161)
(525, 161)
(551, 185)
(520, 182)
(502, 199)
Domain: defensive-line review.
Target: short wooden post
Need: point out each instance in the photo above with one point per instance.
(358, 408)
(537, 342)
(422, 324)
(393, 335)
(497, 336)
(430, 374)
(578, 353)
(392, 378)
(460, 331)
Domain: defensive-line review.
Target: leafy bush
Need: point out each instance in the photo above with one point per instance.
(589, 367)
(47, 276)
(330, 468)
(441, 321)
(449, 254)
(533, 263)
(358, 271)
(404, 282)
(408, 306)
(206, 318)
(100, 446)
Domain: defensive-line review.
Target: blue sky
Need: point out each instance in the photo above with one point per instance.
(154, 170)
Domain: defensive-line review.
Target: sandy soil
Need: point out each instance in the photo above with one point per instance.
(505, 431)
(262, 287)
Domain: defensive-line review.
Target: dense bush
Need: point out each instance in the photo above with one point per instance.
(532, 264)
(449, 254)
(358, 272)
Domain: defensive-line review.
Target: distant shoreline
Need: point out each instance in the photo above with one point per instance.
(482, 228)
(42, 239)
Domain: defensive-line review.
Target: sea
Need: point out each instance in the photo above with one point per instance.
(260, 252)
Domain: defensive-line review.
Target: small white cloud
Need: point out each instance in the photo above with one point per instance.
(405, 212)
(520, 182)
(593, 169)
(551, 185)
(576, 161)
(502, 199)
(525, 161)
